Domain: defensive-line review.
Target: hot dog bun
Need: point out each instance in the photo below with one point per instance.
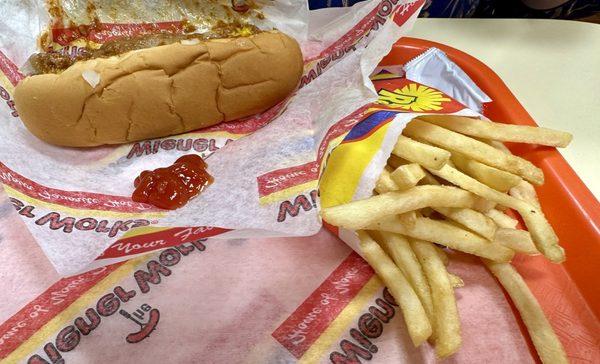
(160, 91)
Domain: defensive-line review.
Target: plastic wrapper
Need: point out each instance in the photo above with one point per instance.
(435, 69)
(76, 202)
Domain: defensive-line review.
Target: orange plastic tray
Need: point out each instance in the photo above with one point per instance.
(569, 292)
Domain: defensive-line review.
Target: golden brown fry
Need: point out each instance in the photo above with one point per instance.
(501, 219)
(419, 327)
(360, 214)
(407, 176)
(502, 132)
(394, 161)
(443, 256)
(456, 281)
(429, 179)
(493, 177)
(423, 154)
(498, 145)
(473, 149)
(542, 233)
(518, 240)
(385, 183)
(484, 206)
(398, 248)
(471, 219)
(427, 211)
(544, 339)
(446, 322)
(526, 192)
(441, 232)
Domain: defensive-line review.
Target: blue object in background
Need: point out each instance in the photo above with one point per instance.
(318, 4)
(450, 8)
(561, 9)
(432, 8)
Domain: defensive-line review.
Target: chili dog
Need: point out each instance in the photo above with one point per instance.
(155, 86)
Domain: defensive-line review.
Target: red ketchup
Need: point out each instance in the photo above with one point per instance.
(172, 187)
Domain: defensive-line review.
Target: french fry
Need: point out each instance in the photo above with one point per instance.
(457, 168)
(440, 232)
(518, 240)
(473, 149)
(542, 233)
(408, 175)
(359, 214)
(481, 206)
(427, 211)
(423, 154)
(429, 179)
(385, 183)
(498, 145)
(502, 132)
(394, 161)
(493, 177)
(446, 322)
(471, 219)
(501, 219)
(526, 192)
(484, 206)
(443, 256)
(456, 281)
(544, 339)
(419, 327)
(398, 248)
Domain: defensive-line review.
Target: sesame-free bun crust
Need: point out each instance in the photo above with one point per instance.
(160, 91)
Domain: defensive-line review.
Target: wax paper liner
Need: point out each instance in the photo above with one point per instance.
(230, 301)
(76, 202)
(284, 300)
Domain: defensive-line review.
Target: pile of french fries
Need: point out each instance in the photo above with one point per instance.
(448, 184)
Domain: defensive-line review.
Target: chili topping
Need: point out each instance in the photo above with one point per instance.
(172, 187)
(55, 62)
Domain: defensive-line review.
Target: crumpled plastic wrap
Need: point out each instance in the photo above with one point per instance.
(435, 69)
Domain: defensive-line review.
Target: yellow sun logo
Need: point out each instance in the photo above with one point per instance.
(413, 97)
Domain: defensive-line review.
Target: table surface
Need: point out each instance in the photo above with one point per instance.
(553, 68)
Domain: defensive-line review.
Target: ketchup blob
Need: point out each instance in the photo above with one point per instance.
(172, 187)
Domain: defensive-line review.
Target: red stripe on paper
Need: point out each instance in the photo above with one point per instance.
(73, 199)
(159, 240)
(316, 313)
(406, 11)
(351, 37)
(46, 306)
(401, 14)
(288, 177)
(339, 128)
(10, 70)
